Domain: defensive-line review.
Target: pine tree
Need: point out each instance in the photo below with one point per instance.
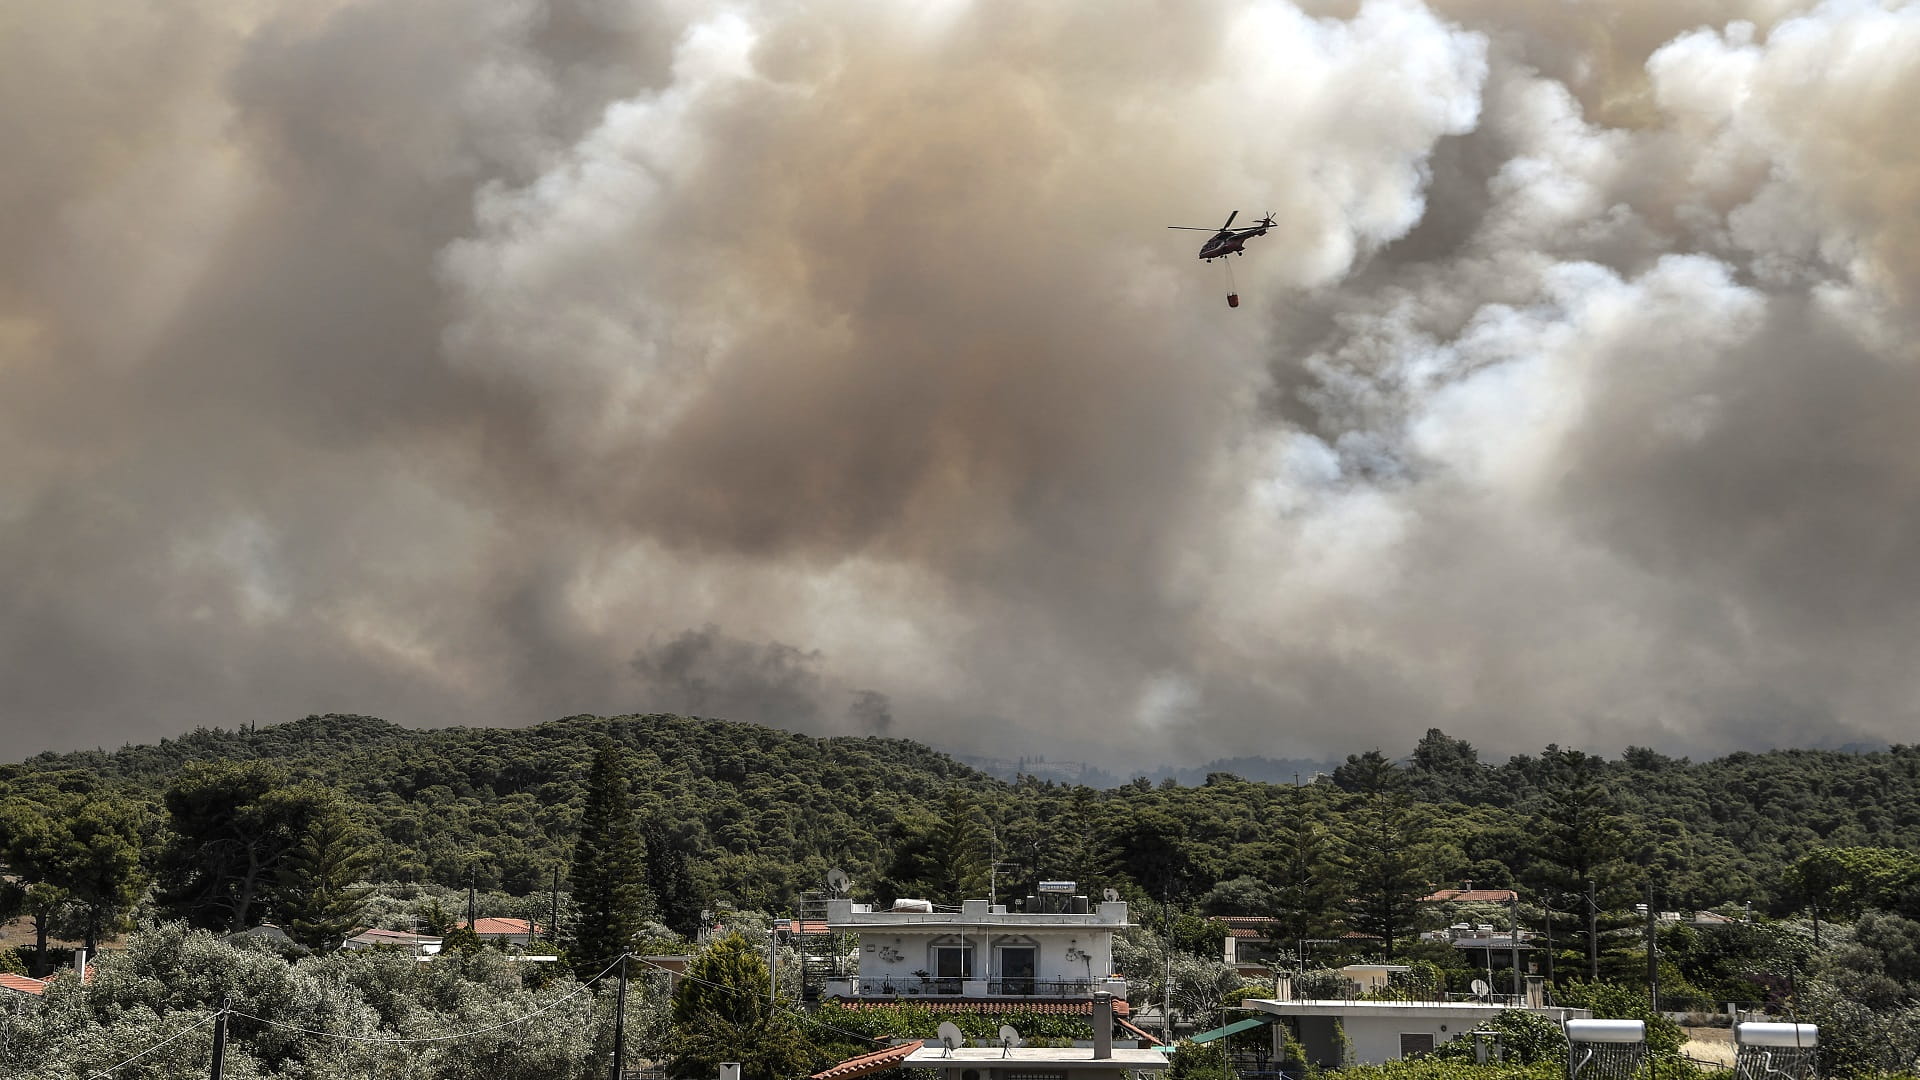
(232, 825)
(670, 881)
(1581, 840)
(609, 868)
(943, 858)
(317, 902)
(959, 850)
(721, 1012)
(1304, 871)
(83, 850)
(1388, 860)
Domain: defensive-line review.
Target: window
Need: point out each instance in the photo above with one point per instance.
(1413, 1044)
(1017, 968)
(953, 961)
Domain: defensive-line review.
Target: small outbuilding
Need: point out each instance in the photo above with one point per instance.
(1336, 1033)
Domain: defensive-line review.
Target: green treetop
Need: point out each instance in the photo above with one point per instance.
(609, 868)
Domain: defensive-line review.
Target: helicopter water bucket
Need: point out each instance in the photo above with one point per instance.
(1233, 299)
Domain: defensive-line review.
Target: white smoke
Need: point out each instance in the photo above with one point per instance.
(827, 363)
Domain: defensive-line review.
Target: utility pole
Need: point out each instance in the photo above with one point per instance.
(1593, 933)
(773, 968)
(1166, 1002)
(219, 1040)
(1653, 973)
(1513, 917)
(553, 928)
(1653, 952)
(620, 1023)
(1546, 901)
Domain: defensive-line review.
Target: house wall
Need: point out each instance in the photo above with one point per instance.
(1373, 1029)
(895, 955)
(1377, 1038)
(1076, 948)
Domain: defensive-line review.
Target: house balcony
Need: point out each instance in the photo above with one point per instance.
(910, 987)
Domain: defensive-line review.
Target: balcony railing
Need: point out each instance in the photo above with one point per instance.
(883, 986)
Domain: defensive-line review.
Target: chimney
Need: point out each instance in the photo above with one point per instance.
(1102, 1025)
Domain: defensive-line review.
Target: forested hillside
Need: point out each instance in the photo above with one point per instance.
(760, 813)
(335, 823)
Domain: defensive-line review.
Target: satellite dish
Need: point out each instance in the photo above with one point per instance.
(1110, 895)
(1480, 988)
(1009, 1039)
(950, 1037)
(837, 882)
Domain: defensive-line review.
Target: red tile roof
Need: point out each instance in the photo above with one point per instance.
(987, 1006)
(805, 926)
(1470, 896)
(490, 927)
(878, 1061)
(22, 983)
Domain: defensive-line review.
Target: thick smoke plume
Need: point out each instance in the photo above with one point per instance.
(826, 364)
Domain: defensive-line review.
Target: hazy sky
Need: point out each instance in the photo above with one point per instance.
(826, 363)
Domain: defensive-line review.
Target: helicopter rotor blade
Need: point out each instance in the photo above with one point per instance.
(1194, 228)
(1230, 218)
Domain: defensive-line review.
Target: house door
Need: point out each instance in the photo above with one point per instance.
(1017, 965)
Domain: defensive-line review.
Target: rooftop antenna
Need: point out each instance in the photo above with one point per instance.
(1110, 895)
(1009, 1039)
(950, 1037)
(838, 883)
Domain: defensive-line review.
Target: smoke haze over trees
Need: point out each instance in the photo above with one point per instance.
(828, 366)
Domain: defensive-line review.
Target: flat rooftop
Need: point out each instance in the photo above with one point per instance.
(1340, 1006)
(935, 1057)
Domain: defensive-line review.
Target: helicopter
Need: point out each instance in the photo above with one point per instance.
(1227, 240)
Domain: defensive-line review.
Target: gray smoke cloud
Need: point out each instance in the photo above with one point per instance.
(826, 364)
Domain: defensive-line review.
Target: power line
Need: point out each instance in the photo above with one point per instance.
(202, 1022)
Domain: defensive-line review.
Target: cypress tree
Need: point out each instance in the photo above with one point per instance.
(609, 868)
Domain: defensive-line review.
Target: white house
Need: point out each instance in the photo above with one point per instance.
(1377, 1031)
(1062, 950)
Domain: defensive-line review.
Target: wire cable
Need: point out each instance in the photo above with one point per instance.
(203, 1021)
